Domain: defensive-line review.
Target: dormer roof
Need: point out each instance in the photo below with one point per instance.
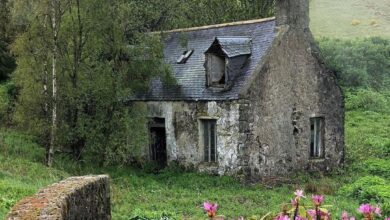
(232, 46)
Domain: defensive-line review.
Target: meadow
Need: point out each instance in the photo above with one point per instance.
(350, 18)
(176, 194)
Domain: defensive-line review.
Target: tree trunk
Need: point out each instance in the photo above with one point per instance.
(50, 150)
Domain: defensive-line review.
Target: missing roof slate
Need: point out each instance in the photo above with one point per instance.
(185, 56)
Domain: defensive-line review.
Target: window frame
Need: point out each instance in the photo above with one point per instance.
(317, 138)
(209, 140)
(209, 70)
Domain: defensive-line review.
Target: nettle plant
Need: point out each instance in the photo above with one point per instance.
(298, 210)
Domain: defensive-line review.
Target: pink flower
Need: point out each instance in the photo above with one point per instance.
(300, 218)
(294, 202)
(210, 208)
(378, 211)
(317, 199)
(282, 217)
(344, 216)
(366, 209)
(299, 193)
(312, 213)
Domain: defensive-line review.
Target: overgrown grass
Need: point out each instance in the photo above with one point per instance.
(135, 193)
(178, 194)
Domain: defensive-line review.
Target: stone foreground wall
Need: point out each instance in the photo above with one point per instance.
(86, 197)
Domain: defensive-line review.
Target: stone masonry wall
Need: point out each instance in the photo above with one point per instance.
(184, 144)
(86, 197)
(291, 87)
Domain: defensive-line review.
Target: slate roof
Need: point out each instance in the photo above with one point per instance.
(233, 46)
(191, 76)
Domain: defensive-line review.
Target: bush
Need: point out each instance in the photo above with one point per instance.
(367, 100)
(379, 167)
(367, 189)
(359, 63)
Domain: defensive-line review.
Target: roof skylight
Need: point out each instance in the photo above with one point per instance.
(185, 56)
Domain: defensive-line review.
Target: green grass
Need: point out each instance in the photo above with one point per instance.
(136, 193)
(334, 18)
(180, 194)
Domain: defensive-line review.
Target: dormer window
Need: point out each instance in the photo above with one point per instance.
(184, 57)
(224, 60)
(216, 66)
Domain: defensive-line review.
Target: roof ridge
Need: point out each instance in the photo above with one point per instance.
(221, 25)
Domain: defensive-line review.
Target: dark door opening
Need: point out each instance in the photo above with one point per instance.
(158, 148)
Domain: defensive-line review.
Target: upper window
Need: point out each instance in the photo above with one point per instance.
(317, 130)
(209, 140)
(224, 60)
(216, 75)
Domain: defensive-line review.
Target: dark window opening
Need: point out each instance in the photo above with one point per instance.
(184, 57)
(209, 140)
(158, 149)
(317, 130)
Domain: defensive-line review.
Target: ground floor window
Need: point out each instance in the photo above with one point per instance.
(317, 130)
(209, 140)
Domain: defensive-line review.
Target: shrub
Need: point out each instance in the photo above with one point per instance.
(367, 100)
(359, 63)
(379, 167)
(367, 189)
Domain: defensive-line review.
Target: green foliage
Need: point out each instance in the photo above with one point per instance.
(378, 167)
(135, 193)
(7, 61)
(367, 135)
(367, 189)
(359, 62)
(367, 100)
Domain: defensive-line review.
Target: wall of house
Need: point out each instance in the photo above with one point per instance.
(184, 142)
(291, 87)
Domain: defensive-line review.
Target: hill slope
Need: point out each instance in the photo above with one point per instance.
(350, 18)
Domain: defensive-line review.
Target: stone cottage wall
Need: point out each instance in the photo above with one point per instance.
(184, 144)
(291, 87)
(86, 197)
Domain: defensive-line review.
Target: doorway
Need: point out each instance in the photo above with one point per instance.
(158, 146)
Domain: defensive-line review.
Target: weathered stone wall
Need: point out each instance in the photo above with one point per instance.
(290, 87)
(86, 197)
(184, 144)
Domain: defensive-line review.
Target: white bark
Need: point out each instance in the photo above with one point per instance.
(54, 84)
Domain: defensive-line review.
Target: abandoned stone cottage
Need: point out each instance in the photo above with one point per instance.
(252, 99)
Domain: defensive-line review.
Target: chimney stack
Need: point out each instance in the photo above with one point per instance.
(294, 13)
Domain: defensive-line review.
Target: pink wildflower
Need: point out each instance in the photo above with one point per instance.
(365, 209)
(210, 208)
(345, 216)
(294, 202)
(317, 199)
(282, 217)
(299, 193)
(300, 218)
(312, 213)
(378, 211)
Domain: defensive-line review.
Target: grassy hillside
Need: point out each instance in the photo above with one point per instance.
(350, 18)
(172, 192)
(176, 194)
